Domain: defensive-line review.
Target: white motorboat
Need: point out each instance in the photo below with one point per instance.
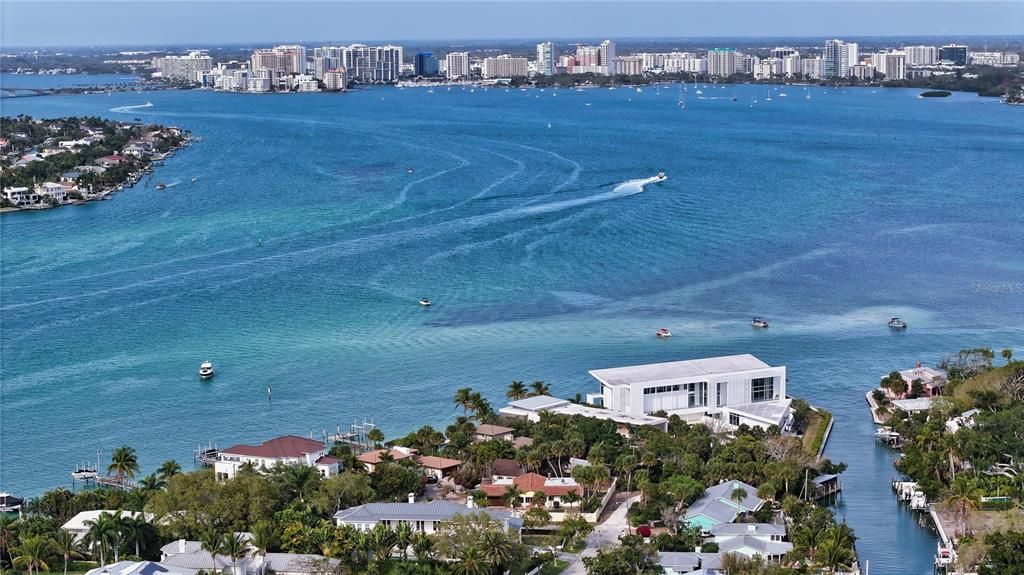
(424, 302)
(661, 177)
(10, 503)
(759, 322)
(206, 370)
(897, 323)
(84, 473)
(663, 333)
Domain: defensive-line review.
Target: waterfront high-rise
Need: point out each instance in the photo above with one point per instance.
(372, 64)
(546, 58)
(837, 58)
(265, 59)
(292, 58)
(425, 64)
(335, 80)
(812, 68)
(632, 65)
(784, 51)
(791, 65)
(607, 53)
(456, 65)
(893, 65)
(954, 54)
(505, 66)
(189, 68)
(722, 62)
(921, 55)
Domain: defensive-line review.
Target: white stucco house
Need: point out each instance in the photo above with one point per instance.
(79, 524)
(422, 517)
(289, 450)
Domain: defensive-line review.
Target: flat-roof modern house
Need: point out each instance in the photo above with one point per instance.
(422, 517)
(532, 407)
(738, 389)
(718, 505)
(289, 450)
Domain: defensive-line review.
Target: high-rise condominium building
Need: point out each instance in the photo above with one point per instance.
(837, 57)
(188, 68)
(292, 58)
(812, 68)
(607, 51)
(547, 58)
(335, 80)
(632, 65)
(425, 64)
(893, 65)
(784, 51)
(722, 62)
(953, 53)
(505, 66)
(457, 64)
(372, 64)
(921, 55)
(791, 65)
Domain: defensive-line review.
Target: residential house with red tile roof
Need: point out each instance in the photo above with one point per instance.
(289, 450)
(529, 485)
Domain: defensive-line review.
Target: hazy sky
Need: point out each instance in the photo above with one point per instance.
(143, 22)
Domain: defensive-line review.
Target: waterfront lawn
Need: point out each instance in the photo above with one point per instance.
(814, 433)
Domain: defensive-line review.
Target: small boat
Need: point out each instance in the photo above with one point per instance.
(661, 177)
(897, 323)
(409, 171)
(10, 503)
(161, 186)
(424, 302)
(759, 322)
(206, 370)
(663, 332)
(194, 180)
(84, 473)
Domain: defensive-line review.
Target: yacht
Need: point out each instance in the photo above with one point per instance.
(206, 370)
(424, 302)
(663, 332)
(759, 322)
(897, 323)
(10, 503)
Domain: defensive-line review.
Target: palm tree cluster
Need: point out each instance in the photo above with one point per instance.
(472, 401)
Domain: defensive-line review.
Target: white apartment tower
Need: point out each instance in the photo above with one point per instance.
(722, 62)
(505, 66)
(292, 58)
(837, 58)
(607, 51)
(456, 65)
(921, 55)
(546, 58)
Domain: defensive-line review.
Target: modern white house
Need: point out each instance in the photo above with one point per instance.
(737, 389)
(532, 407)
(422, 517)
(289, 450)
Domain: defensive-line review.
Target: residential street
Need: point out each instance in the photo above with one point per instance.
(604, 535)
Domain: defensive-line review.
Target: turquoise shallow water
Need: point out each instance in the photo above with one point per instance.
(297, 257)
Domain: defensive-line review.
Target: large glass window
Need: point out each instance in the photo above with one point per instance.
(762, 389)
(722, 393)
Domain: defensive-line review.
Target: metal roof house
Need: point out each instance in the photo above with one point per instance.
(140, 568)
(422, 517)
(764, 539)
(717, 505)
(77, 524)
(738, 389)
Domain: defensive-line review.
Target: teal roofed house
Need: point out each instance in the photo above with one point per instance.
(718, 506)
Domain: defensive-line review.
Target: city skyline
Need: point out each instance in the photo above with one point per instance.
(106, 23)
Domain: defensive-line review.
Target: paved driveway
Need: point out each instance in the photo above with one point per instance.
(604, 535)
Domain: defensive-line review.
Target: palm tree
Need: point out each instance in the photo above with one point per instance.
(234, 546)
(479, 405)
(737, 495)
(422, 547)
(539, 499)
(403, 538)
(540, 388)
(512, 496)
(498, 550)
(463, 398)
(123, 463)
(211, 540)
(32, 553)
(471, 561)
(571, 498)
(302, 480)
(1007, 355)
(7, 536)
(263, 538)
(381, 541)
(168, 469)
(102, 534)
(66, 545)
(152, 482)
(516, 390)
(376, 436)
(964, 496)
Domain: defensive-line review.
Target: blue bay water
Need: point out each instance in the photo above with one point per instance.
(296, 259)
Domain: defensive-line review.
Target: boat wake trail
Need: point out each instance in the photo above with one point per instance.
(125, 109)
(359, 245)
